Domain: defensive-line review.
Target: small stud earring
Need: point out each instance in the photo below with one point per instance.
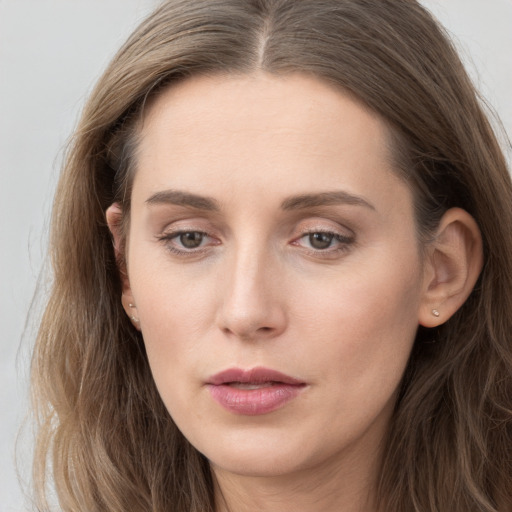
(435, 312)
(131, 305)
(135, 319)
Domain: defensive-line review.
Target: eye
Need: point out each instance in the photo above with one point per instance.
(190, 239)
(320, 240)
(324, 241)
(187, 242)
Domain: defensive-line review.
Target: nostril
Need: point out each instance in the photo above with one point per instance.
(248, 314)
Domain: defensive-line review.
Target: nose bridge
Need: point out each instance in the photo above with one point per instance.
(252, 305)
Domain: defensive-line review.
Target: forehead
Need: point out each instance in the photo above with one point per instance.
(239, 104)
(294, 133)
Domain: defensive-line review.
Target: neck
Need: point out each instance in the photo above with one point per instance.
(333, 487)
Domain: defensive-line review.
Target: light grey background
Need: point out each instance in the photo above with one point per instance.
(51, 53)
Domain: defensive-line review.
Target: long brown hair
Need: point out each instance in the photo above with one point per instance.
(104, 433)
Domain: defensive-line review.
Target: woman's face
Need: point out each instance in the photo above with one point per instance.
(275, 271)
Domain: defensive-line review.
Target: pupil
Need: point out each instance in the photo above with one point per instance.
(320, 240)
(191, 240)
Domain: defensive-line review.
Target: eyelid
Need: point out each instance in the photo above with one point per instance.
(323, 225)
(340, 237)
(343, 237)
(168, 237)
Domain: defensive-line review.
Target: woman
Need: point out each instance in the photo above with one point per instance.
(281, 271)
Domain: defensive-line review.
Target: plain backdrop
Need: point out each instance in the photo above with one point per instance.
(51, 53)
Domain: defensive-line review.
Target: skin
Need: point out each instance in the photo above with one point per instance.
(259, 289)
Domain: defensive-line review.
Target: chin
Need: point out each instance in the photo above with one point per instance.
(261, 465)
(264, 454)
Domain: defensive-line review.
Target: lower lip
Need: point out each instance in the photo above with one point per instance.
(253, 402)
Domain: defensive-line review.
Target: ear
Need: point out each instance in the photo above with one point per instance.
(452, 265)
(114, 216)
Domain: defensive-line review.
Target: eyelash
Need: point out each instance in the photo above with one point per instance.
(168, 239)
(344, 242)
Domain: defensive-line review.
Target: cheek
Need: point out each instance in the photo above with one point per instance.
(176, 310)
(364, 328)
(171, 317)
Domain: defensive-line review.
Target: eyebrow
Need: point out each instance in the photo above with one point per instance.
(303, 201)
(324, 199)
(180, 198)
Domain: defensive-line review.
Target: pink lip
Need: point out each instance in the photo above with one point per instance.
(280, 390)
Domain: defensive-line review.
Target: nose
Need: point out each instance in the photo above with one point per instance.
(253, 299)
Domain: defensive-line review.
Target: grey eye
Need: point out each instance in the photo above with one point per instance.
(320, 240)
(191, 239)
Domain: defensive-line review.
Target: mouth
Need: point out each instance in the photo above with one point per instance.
(251, 385)
(253, 392)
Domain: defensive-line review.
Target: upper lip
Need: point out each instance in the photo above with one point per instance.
(254, 376)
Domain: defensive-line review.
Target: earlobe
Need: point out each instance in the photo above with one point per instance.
(452, 265)
(114, 215)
